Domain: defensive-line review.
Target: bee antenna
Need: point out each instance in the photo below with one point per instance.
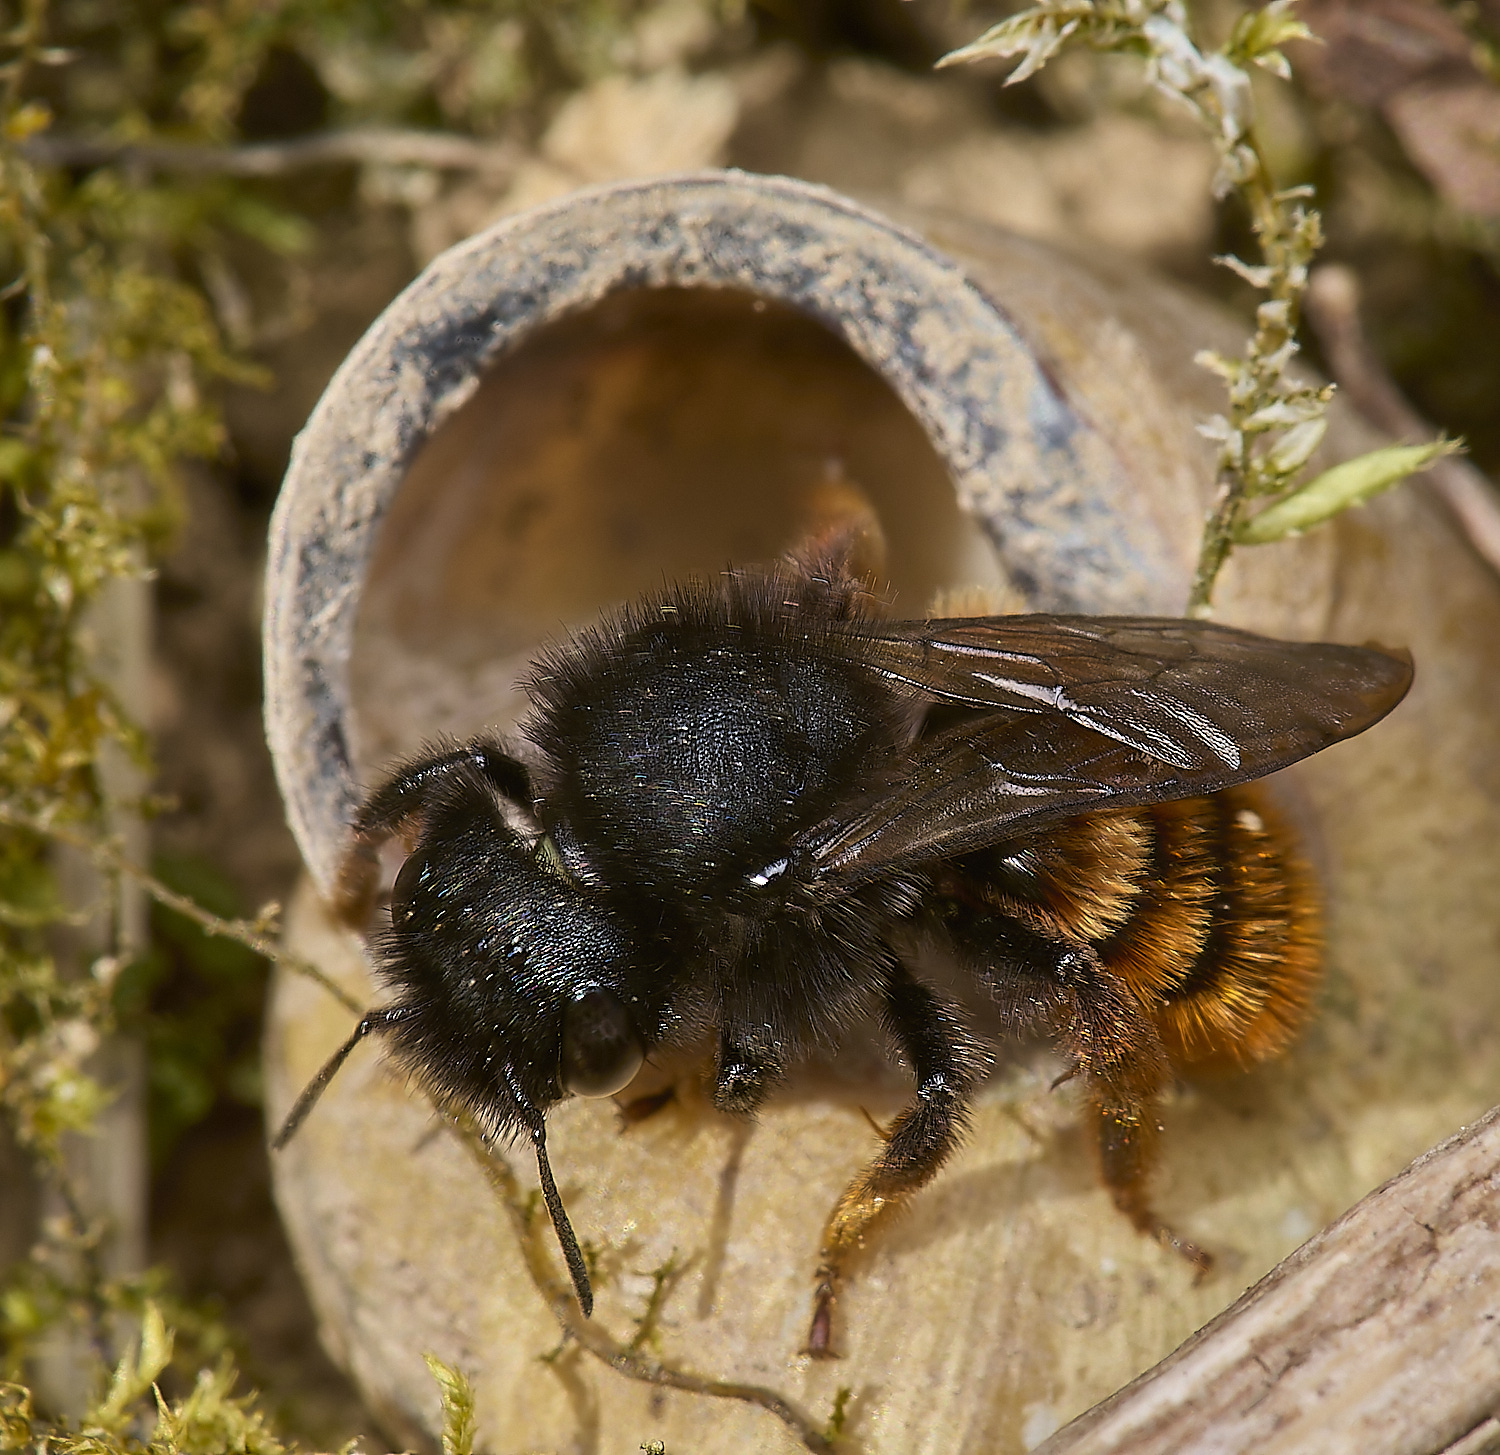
(375, 1020)
(572, 1253)
(536, 1124)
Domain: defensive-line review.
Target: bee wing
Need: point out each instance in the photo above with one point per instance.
(1078, 713)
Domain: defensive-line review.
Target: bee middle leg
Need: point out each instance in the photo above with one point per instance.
(947, 1062)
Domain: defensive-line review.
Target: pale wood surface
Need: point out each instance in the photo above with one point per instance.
(1381, 1336)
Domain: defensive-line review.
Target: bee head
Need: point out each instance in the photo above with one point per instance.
(512, 987)
(516, 986)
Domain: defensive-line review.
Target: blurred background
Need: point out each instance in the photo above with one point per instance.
(211, 202)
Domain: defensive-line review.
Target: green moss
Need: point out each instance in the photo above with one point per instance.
(458, 1406)
(110, 357)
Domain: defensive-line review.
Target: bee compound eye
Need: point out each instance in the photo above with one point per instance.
(601, 1051)
(413, 871)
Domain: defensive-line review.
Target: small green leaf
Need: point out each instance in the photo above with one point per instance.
(1256, 275)
(1335, 490)
(1283, 413)
(156, 1345)
(1276, 63)
(458, 1406)
(25, 121)
(275, 228)
(132, 1378)
(1005, 39)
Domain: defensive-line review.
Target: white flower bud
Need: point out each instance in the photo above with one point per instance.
(1293, 450)
(1231, 87)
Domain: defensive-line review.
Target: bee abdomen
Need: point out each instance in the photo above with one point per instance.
(1224, 946)
(1202, 907)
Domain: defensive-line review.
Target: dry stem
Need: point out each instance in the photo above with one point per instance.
(385, 146)
(1374, 1337)
(590, 1334)
(250, 933)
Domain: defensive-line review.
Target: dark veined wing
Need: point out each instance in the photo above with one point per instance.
(1078, 713)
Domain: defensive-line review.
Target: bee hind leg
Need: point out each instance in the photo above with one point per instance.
(1127, 1143)
(947, 1062)
(1116, 1049)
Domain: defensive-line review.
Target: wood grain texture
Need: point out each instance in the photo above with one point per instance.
(1380, 1336)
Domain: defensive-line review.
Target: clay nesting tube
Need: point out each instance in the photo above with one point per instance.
(1037, 477)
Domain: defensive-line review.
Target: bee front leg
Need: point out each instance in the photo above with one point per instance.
(745, 1073)
(395, 809)
(947, 1062)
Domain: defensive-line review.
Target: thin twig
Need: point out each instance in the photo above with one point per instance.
(388, 146)
(84, 1240)
(1333, 299)
(246, 932)
(591, 1334)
